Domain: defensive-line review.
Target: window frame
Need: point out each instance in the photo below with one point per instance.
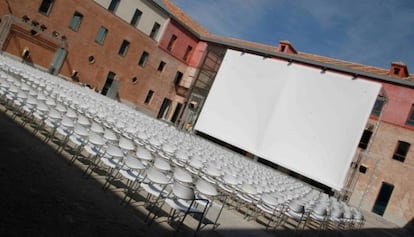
(155, 30)
(143, 59)
(149, 96)
(399, 148)
(171, 42)
(178, 78)
(188, 52)
(410, 118)
(136, 18)
(378, 105)
(49, 9)
(123, 49)
(102, 38)
(73, 25)
(113, 5)
(161, 66)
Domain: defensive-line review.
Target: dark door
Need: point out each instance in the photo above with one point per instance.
(109, 80)
(164, 108)
(384, 196)
(176, 112)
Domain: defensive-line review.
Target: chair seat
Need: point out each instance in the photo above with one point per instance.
(131, 174)
(93, 150)
(154, 189)
(110, 162)
(294, 215)
(182, 205)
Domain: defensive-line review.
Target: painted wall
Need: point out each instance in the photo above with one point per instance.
(150, 14)
(184, 39)
(82, 45)
(400, 100)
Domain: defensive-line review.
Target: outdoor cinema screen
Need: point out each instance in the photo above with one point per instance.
(300, 117)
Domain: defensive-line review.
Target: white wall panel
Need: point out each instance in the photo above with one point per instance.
(290, 114)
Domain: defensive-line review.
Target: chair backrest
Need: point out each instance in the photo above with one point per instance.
(156, 176)
(162, 164)
(296, 207)
(206, 188)
(183, 191)
(182, 175)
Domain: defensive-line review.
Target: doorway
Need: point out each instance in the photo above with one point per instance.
(176, 112)
(165, 106)
(108, 83)
(383, 198)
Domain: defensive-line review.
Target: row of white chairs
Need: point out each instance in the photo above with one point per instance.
(81, 117)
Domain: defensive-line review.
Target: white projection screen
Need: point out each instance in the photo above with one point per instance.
(293, 115)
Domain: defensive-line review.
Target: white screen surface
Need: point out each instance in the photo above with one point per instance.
(290, 114)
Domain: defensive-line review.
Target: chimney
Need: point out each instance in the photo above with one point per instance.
(286, 47)
(398, 69)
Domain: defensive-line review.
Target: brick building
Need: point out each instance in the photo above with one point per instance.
(152, 56)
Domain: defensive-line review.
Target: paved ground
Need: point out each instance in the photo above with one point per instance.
(44, 196)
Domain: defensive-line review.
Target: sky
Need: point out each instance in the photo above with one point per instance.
(370, 32)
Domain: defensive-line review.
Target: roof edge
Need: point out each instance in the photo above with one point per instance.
(296, 58)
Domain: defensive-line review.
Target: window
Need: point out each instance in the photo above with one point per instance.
(134, 80)
(154, 31)
(410, 120)
(366, 136)
(178, 78)
(46, 6)
(144, 58)
(161, 66)
(113, 5)
(363, 169)
(76, 21)
(124, 48)
(100, 36)
(401, 151)
(379, 104)
(396, 71)
(149, 97)
(171, 43)
(187, 52)
(136, 17)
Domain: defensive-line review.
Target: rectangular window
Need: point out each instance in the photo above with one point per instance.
(136, 17)
(76, 21)
(124, 48)
(401, 151)
(154, 31)
(187, 52)
(144, 58)
(366, 136)
(410, 119)
(101, 35)
(46, 6)
(379, 104)
(171, 43)
(161, 66)
(178, 78)
(396, 71)
(113, 5)
(149, 97)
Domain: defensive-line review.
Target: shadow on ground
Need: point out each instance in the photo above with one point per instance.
(42, 195)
